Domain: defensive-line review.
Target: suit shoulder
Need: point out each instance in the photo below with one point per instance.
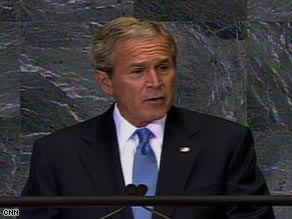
(68, 134)
(206, 121)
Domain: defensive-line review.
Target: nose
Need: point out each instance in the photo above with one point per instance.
(154, 78)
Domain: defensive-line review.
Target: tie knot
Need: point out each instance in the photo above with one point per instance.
(144, 135)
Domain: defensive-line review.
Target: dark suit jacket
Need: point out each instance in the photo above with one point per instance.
(84, 160)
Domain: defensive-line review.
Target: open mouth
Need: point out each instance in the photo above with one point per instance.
(155, 99)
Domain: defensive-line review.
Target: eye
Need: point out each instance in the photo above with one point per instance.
(163, 68)
(137, 70)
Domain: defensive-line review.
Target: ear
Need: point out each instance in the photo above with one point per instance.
(104, 81)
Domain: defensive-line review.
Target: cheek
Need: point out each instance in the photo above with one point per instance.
(171, 85)
(127, 94)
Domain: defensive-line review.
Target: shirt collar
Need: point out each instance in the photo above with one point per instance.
(125, 129)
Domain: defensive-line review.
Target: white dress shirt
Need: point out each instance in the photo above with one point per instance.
(128, 143)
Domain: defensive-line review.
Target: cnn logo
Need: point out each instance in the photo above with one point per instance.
(10, 212)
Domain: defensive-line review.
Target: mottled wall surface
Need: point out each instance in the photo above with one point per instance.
(235, 61)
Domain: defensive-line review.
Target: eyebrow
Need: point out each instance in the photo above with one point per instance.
(159, 61)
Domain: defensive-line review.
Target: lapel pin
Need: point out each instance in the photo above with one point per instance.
(185, 149)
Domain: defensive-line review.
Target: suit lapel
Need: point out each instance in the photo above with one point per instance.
(178, 156)
(101, 160)
(175, 166)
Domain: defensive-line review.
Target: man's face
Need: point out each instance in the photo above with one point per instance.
(143, 80)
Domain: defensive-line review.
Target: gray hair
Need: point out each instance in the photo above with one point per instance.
(122, 29)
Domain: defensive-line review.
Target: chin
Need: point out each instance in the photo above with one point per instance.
(156, 116)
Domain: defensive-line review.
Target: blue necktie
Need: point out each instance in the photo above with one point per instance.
(145, 169)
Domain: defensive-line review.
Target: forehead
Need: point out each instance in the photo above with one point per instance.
(142, 50)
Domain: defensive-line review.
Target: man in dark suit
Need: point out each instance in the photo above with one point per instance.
(193, 153)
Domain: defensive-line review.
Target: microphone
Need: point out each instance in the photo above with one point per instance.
(141, 190)
(131, 191)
